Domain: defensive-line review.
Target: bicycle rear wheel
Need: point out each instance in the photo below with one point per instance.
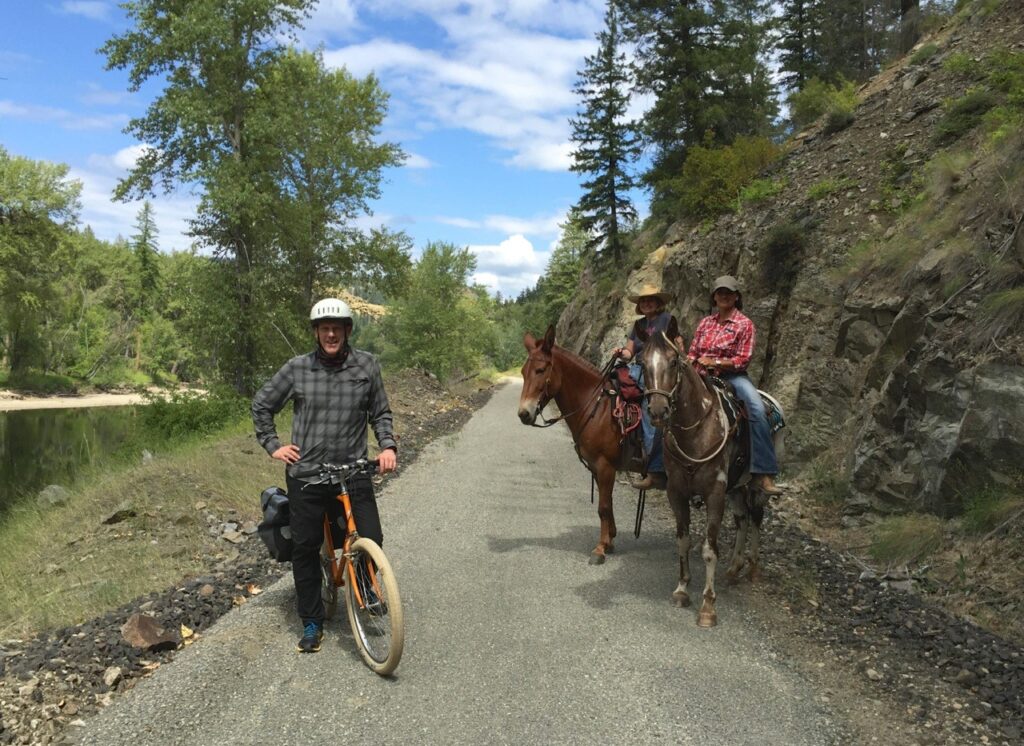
(376, 616)
(328, 590)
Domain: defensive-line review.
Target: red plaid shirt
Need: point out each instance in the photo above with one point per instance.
(732, 339)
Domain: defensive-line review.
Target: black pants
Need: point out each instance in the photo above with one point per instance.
(307, 507)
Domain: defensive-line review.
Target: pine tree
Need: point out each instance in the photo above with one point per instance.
(144, 247)
(799, 42)
(672, 61)
(605, 143)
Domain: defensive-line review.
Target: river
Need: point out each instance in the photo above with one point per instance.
(39, 447)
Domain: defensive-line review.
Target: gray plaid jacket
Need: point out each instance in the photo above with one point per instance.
(332, 408)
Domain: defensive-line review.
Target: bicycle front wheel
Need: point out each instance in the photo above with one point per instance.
(376, 614)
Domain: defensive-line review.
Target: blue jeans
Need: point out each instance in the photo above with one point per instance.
(762, 449)
(652, 438)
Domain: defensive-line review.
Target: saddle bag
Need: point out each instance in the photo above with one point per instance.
(275, 530)
(629, 390)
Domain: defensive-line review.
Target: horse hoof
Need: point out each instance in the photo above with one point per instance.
(596, 559)
(732, 577)
(755, 573)
(707, 619)
(680, 600)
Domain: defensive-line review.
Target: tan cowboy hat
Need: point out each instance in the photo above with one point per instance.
(726, 281)
(650, 291)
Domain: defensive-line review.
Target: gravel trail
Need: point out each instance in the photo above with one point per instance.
(511, 636)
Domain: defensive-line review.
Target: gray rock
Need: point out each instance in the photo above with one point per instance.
(52, 495)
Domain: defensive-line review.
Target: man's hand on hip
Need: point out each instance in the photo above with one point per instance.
(289, 454)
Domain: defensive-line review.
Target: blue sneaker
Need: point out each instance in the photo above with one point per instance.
(311, 637)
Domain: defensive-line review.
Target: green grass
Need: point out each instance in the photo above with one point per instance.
(964, 114)
(761, 189)
(924, 54)
(32, 382)
(986, 509)
(906, 538)
(825, 187)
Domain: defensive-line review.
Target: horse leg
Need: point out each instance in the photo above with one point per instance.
(742, 518)
(708, 617)
(680, 503)
(605, 484)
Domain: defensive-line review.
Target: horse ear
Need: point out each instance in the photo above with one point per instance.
(528, 341)
(549, 338)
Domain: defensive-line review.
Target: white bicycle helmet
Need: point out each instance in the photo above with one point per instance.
(330, 308)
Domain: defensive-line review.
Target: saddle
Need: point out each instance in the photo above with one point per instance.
(627, 412)
(739, 425)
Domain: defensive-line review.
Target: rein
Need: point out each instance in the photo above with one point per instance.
(595, 398)
(727, 433)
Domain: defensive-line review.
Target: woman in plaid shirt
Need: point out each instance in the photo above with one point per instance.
(724, 343)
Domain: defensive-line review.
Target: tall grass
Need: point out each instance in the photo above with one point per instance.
(906, 538)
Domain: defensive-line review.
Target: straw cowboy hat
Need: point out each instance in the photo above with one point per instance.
(649, 291)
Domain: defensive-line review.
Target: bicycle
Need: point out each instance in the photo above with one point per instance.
(371, 591)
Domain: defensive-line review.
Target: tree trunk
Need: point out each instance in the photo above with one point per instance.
(910, 24)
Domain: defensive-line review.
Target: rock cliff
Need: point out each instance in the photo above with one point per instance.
(869, 276)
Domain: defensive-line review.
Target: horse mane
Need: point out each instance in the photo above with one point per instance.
(577, 360)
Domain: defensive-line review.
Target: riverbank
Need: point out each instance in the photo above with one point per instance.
(11, 401)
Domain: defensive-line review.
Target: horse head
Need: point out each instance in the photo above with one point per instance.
(662, 362)
(541, 378)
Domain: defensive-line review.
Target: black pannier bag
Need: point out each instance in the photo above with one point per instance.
(275, 530)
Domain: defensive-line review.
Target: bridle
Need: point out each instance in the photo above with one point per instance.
(545, 398)
(673, 395)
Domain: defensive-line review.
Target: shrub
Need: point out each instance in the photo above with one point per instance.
(986, 509)
(782, 253)
(1004, 309)
(188, 414)
(963, 64)
(924, 54)
(713, 177)
(906, 538)
(963, 115)
(838, 120)
(761, 189)
(818, 97)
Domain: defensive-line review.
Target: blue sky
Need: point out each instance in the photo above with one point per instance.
(481, 92)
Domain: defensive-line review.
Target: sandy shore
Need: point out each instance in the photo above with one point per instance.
(10, 401)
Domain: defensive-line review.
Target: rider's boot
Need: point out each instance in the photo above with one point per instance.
(766, 484)
(655, 480)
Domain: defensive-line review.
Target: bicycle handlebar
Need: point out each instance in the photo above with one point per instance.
(334, 473)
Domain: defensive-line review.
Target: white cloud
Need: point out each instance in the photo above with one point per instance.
(329, 18)
(540, 226)
(509, 266)
(109, 219)
(97, 95)
(94, 9)
(414, 160)
(505, 70)
(62, 117)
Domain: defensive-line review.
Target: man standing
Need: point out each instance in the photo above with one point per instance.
(336, 391)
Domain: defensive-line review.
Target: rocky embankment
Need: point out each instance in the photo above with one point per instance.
(50, 682)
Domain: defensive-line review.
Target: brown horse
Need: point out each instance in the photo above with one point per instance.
(577, 387)
(699, 448)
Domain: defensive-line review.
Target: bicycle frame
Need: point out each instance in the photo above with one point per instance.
(339, 564)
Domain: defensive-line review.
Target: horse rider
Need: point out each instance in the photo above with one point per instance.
(336, 390)
(650, 303)
(724, 343)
